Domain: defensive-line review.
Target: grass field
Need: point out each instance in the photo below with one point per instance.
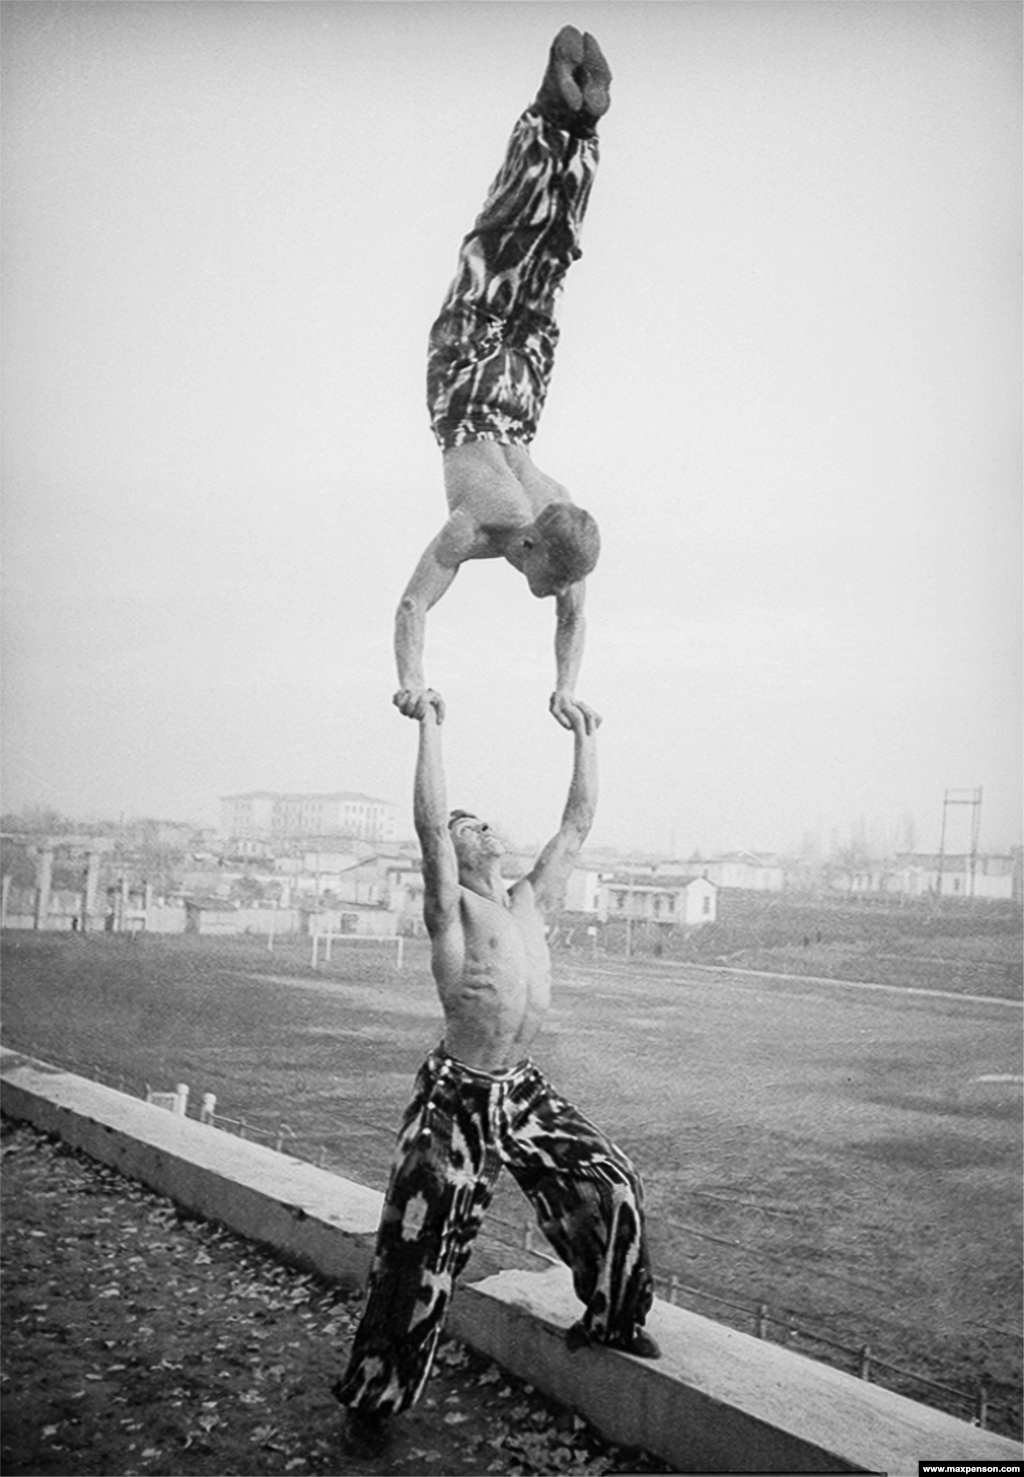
(849, 1156)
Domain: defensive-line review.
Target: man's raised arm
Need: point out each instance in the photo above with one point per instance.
(551, 870)
(570, 635)
(430, 814)
(438, 566)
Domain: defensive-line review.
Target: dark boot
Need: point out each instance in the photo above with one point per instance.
(639, 1343)
(365, 1435)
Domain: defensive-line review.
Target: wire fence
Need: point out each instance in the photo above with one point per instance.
(862, 1360)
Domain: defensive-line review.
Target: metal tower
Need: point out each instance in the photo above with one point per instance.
(961, 797)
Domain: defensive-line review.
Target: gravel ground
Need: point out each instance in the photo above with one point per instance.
(136, 1341)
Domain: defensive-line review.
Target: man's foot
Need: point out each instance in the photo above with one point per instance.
(559, 92)
(639, 1343)
(577, 1337)
(574, 92)
(597, 78)
(365, 1434)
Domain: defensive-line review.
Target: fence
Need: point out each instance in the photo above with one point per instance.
(976, 1402)
(862, 1359)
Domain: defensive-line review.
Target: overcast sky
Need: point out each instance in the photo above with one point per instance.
(789, 389)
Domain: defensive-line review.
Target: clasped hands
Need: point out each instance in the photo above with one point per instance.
(415, 702)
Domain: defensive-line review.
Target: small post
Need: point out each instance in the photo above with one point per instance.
(316, 940)
(327, 946)
(982, 1405)
(321, 1156)
(282, 1129)
(242, 1125)
(401, 946)
(673, 1288)
(761, 1321)
(864, 1362)
(181, 1098)
(209, 1104)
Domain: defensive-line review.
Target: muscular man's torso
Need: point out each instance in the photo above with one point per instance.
(493, 975)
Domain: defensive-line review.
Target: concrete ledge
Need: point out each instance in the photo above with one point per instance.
(305, 1213)
(717, 1401)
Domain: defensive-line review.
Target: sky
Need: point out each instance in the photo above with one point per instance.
(788, 388)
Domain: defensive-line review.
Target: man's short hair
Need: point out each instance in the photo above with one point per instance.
(571, 539)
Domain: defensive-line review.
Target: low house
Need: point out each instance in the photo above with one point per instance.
(583, 893)
(213, 915)
(918, 874)
(403, 885)
(353, 920)
(746, 871)
(674, 902)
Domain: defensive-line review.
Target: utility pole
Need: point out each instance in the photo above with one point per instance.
(961, 797)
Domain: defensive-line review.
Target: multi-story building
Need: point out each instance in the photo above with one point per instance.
(272, 816)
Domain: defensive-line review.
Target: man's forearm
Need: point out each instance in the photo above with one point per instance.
(430, 803)
(431, 577)
(581, 806)
(570, 638)
(410, 629)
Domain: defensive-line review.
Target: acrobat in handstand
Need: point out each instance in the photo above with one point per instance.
(490, 358)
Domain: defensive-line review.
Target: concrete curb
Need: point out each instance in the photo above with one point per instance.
(717, 1401)
(303, 1212)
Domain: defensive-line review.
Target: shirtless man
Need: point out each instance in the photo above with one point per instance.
(491, 354)
(480, 1103)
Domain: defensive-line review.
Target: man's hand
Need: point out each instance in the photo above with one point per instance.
(416, 702)
(568, 712)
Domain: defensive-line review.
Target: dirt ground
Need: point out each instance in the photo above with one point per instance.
(848, 1156)
(139, 1342)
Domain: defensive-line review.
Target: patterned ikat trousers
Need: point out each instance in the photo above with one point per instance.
(492, 348)
(460, 1129)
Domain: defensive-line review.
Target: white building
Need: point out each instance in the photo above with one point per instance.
(671, 901)
(742, 870)
(583, 893)
(991, 877)
(274, 816)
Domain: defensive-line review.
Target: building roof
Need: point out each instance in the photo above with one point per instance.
(306, 795)
(658, 884)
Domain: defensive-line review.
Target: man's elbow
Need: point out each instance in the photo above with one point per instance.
(410, 610)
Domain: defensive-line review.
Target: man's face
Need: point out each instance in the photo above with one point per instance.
(474, 840)
(539, 576)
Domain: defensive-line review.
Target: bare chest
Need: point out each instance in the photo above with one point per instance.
(504, 942)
